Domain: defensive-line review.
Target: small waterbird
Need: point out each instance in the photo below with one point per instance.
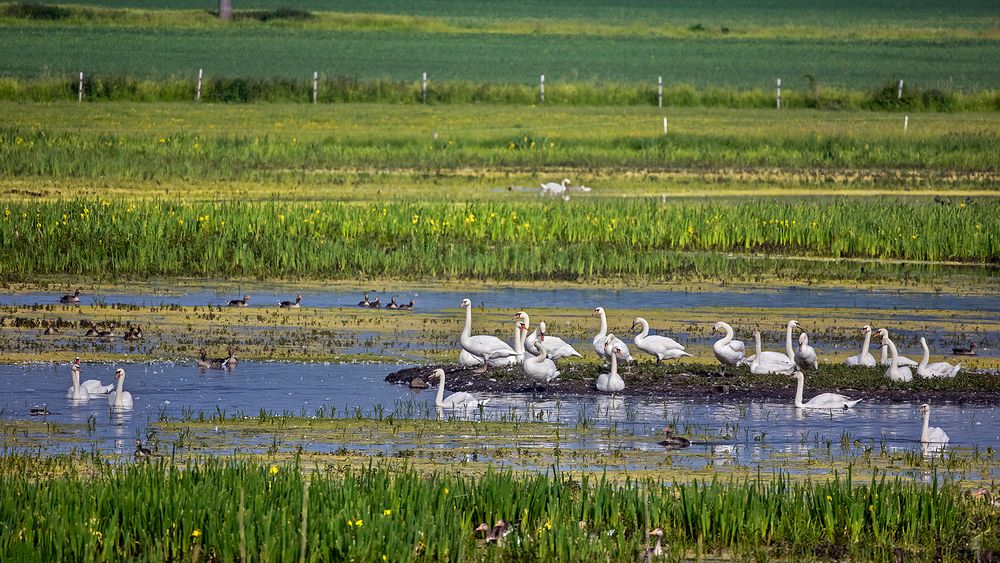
(245, 302)
(141, 452)
(74, 298)
(291, 304)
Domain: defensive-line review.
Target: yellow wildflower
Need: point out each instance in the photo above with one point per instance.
(387, 512)
(274, 470)
(196, 534)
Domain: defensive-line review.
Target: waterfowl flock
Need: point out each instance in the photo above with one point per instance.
(393, 304)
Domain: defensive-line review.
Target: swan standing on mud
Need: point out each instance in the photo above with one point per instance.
(806, 354)
(937, 369)
(824, 401)
(604, 352)
(468, 360)
(483, 346)
(864, 358)
(660, 347)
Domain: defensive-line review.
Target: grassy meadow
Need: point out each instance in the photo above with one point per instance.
(227, 510)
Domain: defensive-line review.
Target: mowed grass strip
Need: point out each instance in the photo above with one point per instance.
(487, 240)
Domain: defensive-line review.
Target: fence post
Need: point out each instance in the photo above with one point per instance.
(315, 85)
(197, 96)
(899, 91)
(906, 123)
(423, 88)
(664, 126)
(80, 89)
(541, 88)
(659, 91)
(778, 95)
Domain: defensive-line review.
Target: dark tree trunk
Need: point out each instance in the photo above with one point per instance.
(226, 10)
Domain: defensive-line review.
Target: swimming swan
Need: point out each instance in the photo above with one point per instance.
(455, 400)
(120, 399)
(824, 401)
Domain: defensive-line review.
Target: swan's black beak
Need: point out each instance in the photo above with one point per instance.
(633, 326)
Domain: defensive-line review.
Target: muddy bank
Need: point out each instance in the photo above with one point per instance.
(979, 387)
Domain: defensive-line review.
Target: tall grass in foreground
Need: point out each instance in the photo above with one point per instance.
(490, 240)
(228, 510)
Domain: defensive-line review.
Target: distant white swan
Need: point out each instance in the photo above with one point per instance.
(93, 386)
(769, 362)
(729, 352)
(120, 399)
(483, 346)
(611, 382)
(824, 401)
(937, 369)
(805, 356)
(660, 347)
(933, 434)
(76, 392)
(557, 347)
(552, 188)
(895, 372)
(540, 368)
(864, 358)
(599, 340)
(455, 400)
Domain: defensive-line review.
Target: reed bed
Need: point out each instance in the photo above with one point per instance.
(489, 240)
(230, 510)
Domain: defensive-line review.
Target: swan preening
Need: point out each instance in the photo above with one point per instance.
(539, 368)
(895, 372)
(605, 352)
(660, 347)
(455, 400)
(937, 369)
(824, 401)
(729, 352)
(611, 382)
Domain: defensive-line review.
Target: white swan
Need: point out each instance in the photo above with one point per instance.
(806, 354)
(557, 347)
(769, 362)
(789, 351)
(894, 372)
(120, 399)
(864, 358)
(661, 347)
(931, 434)
(455, 400)
(76, 392)
(605, 352)
(467, 360)
(611, 382)
(900, 360)
(937, 369)
(553, 188)
(93, 386)
(824, 401)
(729, 352)
(539, 368)
(483, 346)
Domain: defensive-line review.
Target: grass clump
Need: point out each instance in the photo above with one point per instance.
(35, 11)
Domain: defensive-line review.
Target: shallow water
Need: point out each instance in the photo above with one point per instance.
(745, 432)
(526, 298)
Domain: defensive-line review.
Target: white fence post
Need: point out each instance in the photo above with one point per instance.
(664, 126)
(80, 89)
(315, 85)
(906, 123)
(778, 95)
(541, 88)
(659, 91)
(899, 91)
(423, 88)
(197, 95)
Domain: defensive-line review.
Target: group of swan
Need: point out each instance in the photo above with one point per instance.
(80, 392)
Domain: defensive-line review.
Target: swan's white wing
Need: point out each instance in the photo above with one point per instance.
(935, 434)
(483, 344)
(558, 348)
(94, 387)
(830, 401)
(462, 399)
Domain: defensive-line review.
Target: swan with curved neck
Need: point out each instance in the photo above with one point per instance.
(824, 401)
(540, 368)
(789, 350)
(894, 372)
(729, 352)
(769, 362)
(611, 382)
(900, 360)
(120, 399)
(805, 356)
(931, 434)
(483, 346)
(455, 400)
(556, 347)
(604, 352)
(660, 347)
(864, 358)
(76, 392)
(937, 369)
(92, 386)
